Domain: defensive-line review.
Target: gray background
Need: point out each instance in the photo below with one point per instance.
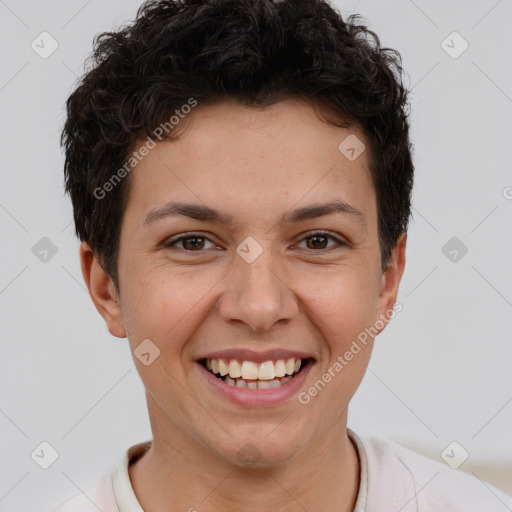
(440, 371)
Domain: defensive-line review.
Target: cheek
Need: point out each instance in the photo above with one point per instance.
(344, 302)
(164, 307)
(343, 308)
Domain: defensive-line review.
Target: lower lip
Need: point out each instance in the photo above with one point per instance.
(257, 397)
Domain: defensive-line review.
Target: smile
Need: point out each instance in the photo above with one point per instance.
(252, 375)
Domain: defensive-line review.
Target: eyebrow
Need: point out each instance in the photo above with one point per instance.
(205, 213)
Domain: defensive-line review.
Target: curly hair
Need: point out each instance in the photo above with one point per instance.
(254, 52)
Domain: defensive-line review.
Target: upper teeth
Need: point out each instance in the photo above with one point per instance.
(251, 370)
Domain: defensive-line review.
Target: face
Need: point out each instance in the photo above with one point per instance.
(251, 274)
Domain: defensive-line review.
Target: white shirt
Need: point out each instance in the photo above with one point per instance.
(392, 479)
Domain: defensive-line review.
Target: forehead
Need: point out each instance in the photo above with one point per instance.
(231, 155)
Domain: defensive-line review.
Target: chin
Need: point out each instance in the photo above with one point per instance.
(263, 452)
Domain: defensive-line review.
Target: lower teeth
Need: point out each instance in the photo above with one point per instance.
(256, 384)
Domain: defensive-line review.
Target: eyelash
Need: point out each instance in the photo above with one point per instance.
(341, 244)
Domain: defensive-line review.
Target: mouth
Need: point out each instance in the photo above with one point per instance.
(253, 375)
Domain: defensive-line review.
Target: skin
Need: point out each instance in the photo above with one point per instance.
(255, 165)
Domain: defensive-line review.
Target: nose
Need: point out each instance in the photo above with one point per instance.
(257, 294)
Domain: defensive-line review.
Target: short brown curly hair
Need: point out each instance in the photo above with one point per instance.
(255, 52)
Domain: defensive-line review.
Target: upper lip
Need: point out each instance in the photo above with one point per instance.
(245, 354)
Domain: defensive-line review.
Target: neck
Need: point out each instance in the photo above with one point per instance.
(324, 476)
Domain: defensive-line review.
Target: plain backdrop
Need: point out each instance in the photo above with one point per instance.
(440, 372)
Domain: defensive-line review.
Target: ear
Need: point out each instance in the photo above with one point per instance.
(390, 282)
(102, 291)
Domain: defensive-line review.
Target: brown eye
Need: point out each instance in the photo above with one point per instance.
(191, 243)
(320, 240)
(317, 242)
(194, 242)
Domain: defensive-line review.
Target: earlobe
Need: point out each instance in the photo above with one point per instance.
(391, 281)
(102, 291)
